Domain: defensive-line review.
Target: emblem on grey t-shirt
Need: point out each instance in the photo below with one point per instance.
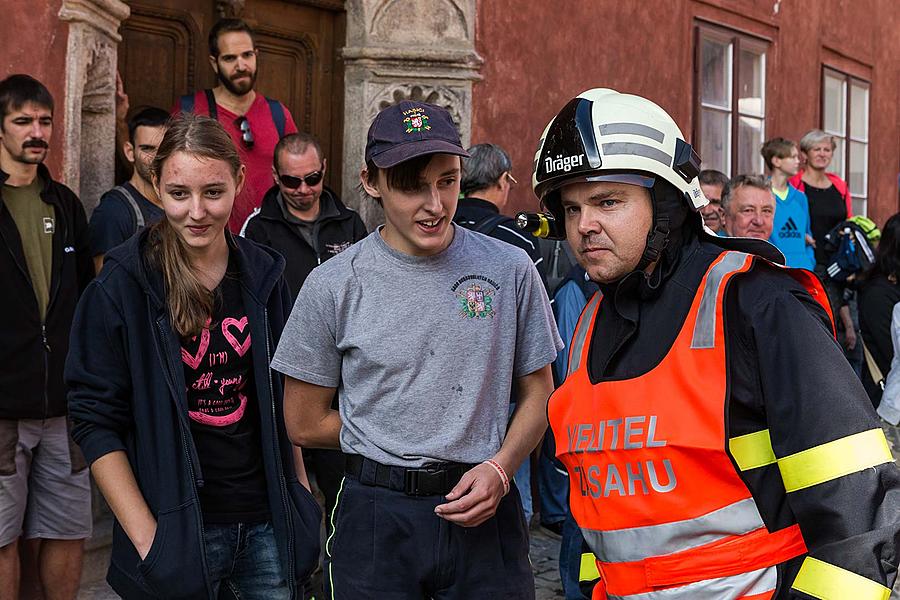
(476, 298)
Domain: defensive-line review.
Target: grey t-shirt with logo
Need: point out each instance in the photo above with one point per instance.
(423, 350)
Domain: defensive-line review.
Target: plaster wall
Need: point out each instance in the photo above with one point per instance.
(538, 55)
(33, 41)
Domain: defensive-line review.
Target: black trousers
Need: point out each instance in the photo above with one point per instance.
(391, 546)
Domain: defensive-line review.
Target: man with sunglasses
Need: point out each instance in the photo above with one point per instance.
(299, 217)
(254, 122)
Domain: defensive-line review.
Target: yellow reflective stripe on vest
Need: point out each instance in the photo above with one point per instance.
(828, 582)
(588, 570)
(835, 459)
(753, 450)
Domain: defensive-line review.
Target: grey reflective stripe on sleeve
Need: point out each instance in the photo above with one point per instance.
(587, 319)
(705, 327)
(632, 129)
(753, 583)
(650, 152)
(639, 543)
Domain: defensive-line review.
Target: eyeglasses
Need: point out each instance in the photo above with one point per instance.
(292, 182)
(512, 179)
(246, 134)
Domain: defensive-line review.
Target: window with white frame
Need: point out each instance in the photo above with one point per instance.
(729, 124)
(845, 116)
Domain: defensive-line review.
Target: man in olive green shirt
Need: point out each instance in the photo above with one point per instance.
(46, 262)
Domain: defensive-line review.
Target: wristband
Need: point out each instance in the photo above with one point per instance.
(501, 473)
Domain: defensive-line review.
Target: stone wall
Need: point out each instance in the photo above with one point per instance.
(397, 50)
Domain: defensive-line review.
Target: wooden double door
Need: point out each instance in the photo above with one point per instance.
(164, 54)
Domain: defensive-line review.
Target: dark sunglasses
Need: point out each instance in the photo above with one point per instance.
(291, 182)
(246, 134)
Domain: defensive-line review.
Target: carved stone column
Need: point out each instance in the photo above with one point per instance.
(398, 50)
(90, 130)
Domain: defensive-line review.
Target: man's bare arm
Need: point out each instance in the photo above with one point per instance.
(308, 416)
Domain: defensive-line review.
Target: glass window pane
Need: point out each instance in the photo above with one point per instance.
(751, 86)
(859, 112)
(859, 163)
(750, 139)
(833, 98)
(715, 73)
(860, 205)
(715, 140)
(837, 160)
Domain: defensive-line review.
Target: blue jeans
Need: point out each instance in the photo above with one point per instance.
(243, 562)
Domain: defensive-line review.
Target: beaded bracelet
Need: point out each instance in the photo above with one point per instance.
(501, 473)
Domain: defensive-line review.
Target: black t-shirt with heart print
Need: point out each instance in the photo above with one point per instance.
(224, 411)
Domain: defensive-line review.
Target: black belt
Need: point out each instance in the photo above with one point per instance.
(430, 480)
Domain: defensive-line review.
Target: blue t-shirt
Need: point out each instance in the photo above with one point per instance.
(790, 227)
(113, 221)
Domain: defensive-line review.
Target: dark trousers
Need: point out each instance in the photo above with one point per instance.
(391, 546)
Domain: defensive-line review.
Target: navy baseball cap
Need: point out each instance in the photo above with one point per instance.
(409, 129)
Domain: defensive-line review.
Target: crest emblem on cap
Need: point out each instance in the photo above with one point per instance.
(415, 119)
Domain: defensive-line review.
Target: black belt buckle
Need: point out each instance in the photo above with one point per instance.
(425, 482)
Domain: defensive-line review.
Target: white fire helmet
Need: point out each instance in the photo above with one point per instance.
(603, 135)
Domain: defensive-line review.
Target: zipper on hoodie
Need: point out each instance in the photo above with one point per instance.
(46, 367)
(281, 474)
(195, 482)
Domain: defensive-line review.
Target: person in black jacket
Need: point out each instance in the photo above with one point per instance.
(878, 293)
(307, 224)
(173, 401)
(299, 217)
(45, 261)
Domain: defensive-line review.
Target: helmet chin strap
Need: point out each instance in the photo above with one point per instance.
(657, 239)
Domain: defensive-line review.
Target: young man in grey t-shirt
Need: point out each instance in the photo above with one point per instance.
(422, 328)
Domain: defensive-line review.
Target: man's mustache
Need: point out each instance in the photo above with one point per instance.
(36, 144)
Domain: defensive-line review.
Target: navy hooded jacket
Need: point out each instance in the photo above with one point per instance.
(127, 392)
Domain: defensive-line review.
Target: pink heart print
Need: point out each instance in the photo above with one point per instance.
(194, 361)
(240, 348)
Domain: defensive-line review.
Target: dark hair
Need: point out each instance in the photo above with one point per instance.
(739, 181)
(887, 254)
(483, 168)
(190, 303)
(17, 90)
(147, 117)
(713, 177)
(406, 176)
(227, 26)
(296, 143)
(778, 147)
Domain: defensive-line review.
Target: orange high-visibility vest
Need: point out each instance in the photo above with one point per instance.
(652, 487)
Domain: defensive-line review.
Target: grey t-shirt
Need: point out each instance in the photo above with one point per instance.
(423, 350)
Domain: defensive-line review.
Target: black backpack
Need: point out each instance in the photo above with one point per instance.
(849, 249)
(186, 104)
(137, 217)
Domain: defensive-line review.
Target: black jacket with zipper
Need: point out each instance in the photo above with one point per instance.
(127, 392)
(32, 352)
(331, 235)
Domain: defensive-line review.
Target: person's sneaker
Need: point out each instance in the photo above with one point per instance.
(554, 529)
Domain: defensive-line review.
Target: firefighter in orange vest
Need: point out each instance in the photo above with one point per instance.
(718, 444)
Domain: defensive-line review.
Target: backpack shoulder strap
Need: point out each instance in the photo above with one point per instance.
(138, 216)
(277, 111)
(487, 224)
(211, 104)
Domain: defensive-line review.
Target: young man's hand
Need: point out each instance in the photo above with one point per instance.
(474, 499)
